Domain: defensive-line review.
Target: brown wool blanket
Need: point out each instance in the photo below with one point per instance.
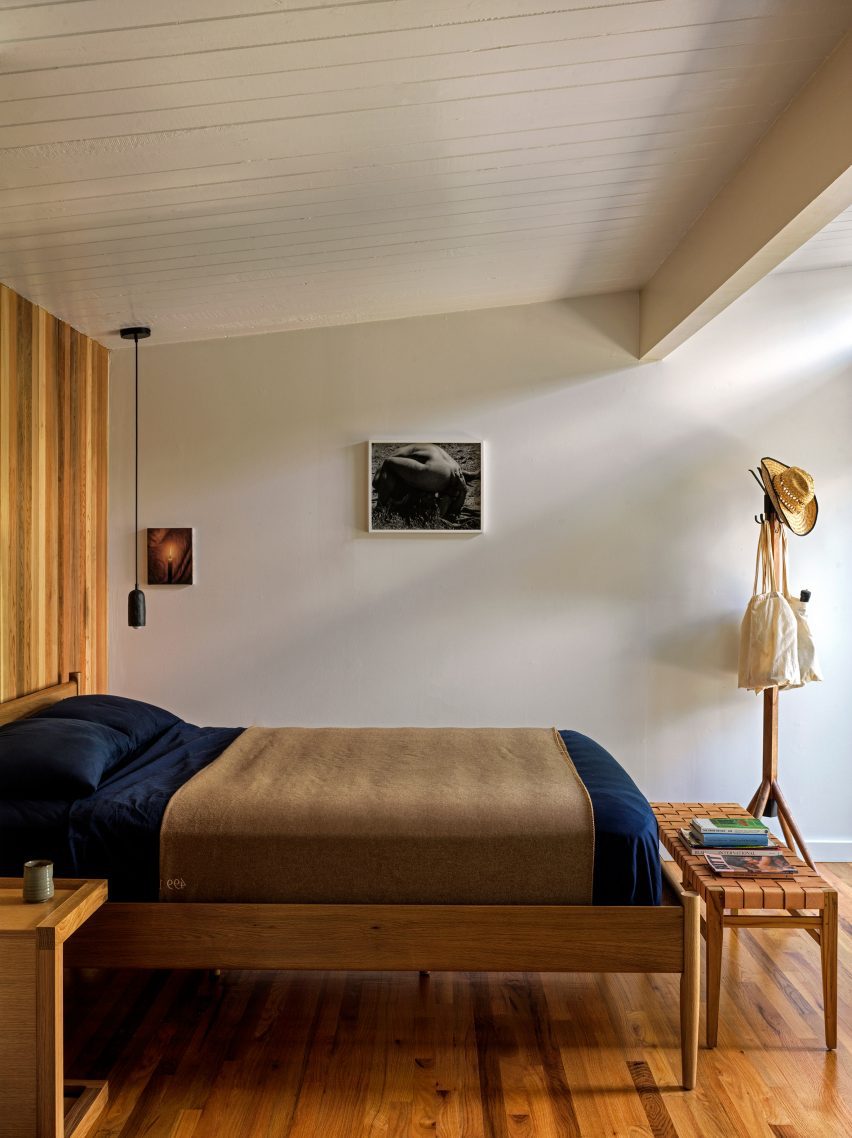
(383, 815)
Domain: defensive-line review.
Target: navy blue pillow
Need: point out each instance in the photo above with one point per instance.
(140, 722)
(57, 758)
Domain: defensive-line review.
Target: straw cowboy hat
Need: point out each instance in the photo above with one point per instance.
(791, 491)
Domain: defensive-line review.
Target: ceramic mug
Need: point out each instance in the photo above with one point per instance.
(38, 880)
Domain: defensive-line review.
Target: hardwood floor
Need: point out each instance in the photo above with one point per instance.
(383, 1055)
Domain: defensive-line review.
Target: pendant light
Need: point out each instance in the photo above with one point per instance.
(136, 598)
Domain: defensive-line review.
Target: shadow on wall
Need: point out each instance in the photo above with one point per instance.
(652, 567)
(611, 530)
(601, 591)
(363, 381)
(706, 647)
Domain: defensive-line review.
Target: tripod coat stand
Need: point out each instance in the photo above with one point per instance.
(767, 800)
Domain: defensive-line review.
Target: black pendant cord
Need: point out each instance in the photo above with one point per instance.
(136, 450)
(136, 599)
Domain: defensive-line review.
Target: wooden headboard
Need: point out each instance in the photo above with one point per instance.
(26, 705)
(53, 501)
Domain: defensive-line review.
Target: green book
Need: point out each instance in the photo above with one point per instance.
(727, 825)
(744, 839)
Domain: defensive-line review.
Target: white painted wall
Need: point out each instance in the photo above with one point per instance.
(607, 591)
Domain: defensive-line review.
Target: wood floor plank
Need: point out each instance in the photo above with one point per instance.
(586, 1068)
(279, 1076)
(536, 1030)
(463, 1113)
(186, 1124)
(488, 1059)
(655, 1109)
(453, 1055)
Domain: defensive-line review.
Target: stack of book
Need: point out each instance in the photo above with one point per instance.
(736, 847)
(733, 833)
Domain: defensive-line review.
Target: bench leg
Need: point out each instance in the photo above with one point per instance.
(828, 952)
(714, 930)
(690, 989)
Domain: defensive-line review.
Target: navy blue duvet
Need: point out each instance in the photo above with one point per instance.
(115, 832)
(627, 847)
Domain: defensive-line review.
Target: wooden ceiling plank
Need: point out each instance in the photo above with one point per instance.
(509, 241)
(524, 96)
(480, 196)
(517, 177)
(797, 179)
(534, 40)
(70, 246)
(27, 181)
(381, 126)
(540, 66)
(253, 222)
(320, 159)
(50, 19)
(624, 234)
(495, 21)
(125, 255)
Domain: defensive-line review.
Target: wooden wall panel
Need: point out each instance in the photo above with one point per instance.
(53, 501)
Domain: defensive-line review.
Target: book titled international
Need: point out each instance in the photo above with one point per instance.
(754, 863)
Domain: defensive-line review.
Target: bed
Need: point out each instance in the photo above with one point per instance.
(111, 827)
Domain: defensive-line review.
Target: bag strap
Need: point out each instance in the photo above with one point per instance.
(786, 587)
(768, 559)
(764, 564)
(758, 561)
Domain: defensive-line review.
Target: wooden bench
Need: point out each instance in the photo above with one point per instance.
(805, 901)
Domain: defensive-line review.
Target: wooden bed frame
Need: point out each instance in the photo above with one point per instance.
(470, 938)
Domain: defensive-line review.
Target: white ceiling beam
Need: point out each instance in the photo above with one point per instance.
(796, 180)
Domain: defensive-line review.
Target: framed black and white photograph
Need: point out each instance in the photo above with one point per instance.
(425, 487)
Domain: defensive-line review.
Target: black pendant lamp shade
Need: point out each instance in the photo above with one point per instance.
(136, 598)
(136, 608)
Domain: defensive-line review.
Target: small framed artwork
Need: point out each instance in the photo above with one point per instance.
(170, 556)
(424, 487)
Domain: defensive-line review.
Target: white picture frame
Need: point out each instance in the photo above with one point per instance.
(445, 498)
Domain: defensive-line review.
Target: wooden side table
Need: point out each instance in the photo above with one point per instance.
(723, 897)
(35, 1100)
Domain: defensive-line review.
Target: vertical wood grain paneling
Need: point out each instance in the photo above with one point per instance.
(53, 501)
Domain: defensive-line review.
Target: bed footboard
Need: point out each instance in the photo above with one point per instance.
(469, 938)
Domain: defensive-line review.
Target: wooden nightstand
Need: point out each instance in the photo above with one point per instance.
(782, 901)
(35, 1100)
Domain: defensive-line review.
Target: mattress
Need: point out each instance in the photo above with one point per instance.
(115, 832)
(383, 816)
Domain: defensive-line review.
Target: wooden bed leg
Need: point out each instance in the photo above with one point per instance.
(715, 928)
(690, 988)
(828, 951)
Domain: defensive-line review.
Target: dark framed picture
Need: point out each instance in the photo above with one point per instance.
(425, 487)
(170, 556)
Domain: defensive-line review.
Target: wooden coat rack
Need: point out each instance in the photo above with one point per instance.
(768, 801)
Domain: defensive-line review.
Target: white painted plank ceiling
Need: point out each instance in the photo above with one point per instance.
(831, 248)
(221, 167)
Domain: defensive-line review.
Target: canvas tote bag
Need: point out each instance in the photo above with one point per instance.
(809, 667)
(769, 654)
